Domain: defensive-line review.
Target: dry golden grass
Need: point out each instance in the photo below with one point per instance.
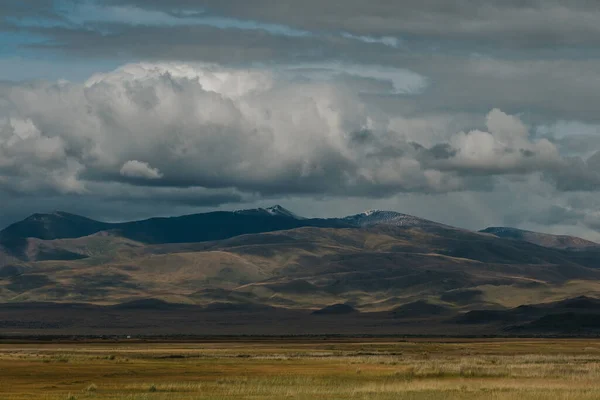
(316, 369)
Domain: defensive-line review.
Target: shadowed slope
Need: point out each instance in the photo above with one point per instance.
(185, 229)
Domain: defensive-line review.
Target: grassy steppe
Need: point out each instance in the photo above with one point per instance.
(311, 369)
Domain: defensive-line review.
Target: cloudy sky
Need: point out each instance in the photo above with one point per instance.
(471, 112)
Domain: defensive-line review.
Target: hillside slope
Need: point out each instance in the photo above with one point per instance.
(374, 268)
(541, 239)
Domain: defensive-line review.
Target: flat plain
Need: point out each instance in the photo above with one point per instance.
(316, 368)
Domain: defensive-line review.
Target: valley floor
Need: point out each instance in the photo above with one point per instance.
(303, 369)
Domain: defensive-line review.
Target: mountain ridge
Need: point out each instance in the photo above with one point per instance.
(227, 224)
(400, 266)
(216, 225)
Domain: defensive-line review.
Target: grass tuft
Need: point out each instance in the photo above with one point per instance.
(91, 388)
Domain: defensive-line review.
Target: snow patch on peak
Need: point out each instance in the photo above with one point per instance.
(278, 210)
(392, 218)
(368, 213)
(275, 211)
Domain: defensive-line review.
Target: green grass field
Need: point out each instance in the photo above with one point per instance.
(303, 369)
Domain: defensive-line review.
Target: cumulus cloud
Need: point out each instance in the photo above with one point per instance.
(31, 161)
(272, 132)
(258, 130)
(504, 148)
(139, 169)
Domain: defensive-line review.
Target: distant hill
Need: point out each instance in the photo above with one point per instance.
(541, 239)
(57, 225)
(571, 316)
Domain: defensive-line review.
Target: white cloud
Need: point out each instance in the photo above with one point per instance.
(31, 161)
(504, 148)
(385, 40)
(256, 130)
(139, 169)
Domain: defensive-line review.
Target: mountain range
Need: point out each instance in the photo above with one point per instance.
(374, 269)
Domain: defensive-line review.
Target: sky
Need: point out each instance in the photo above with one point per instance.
(473, 113)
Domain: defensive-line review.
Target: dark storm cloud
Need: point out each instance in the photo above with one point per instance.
(541, 88)
(548, 89)
(529, 23)
(556, 215)
(584, 216)
(19, 9)
(578, 174)
(194, 42)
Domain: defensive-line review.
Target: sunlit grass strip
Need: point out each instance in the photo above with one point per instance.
(523, 370)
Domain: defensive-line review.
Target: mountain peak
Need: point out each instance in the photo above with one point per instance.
(368, 213)
(281, 211)
(53, 225)
(50, 215)
(391, 218)
(274, 211)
